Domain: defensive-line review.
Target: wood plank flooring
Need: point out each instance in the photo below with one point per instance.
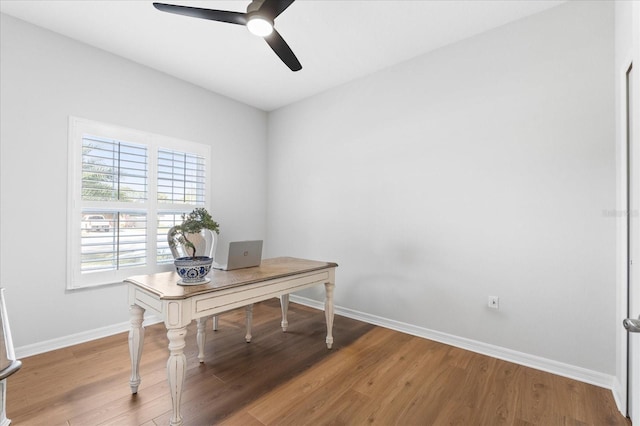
(372, 376)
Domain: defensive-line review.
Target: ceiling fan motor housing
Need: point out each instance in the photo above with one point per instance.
(254, 6)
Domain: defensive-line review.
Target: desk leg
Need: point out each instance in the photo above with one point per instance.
(284, 305)
(215, 323)
(201, 337)
(248, 320)
(328, 311)
(136, 340)
(176, 368)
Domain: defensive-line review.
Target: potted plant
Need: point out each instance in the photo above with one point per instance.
(194, 268)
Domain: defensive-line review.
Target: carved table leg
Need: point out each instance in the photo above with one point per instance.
(249, 320)
(284, 305)
(136, 340)
(201, 337)
(176, 367)
(328, 312)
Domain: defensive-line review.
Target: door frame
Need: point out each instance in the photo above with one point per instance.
(623, 216)
(627, 54)
(632, 146)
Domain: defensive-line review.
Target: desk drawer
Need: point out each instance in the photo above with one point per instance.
(145, 300)
(213, 303)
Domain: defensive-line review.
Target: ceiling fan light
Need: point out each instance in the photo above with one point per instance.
(260, 26)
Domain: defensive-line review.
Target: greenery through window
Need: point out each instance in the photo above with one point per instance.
(113, 170)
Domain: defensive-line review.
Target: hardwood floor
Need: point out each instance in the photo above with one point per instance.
(371, 376)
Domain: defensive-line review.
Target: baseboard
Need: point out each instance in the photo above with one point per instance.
(528, 360)
(74, 339)
(620, 395)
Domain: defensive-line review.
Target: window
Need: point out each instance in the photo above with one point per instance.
(127, 188)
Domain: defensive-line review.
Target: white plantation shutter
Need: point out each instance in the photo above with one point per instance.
(127, 188)
(181, 181)
(122, 246)
(165, 221)
(113, 172)
(181, 177)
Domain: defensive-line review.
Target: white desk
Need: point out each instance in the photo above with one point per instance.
(179, 305)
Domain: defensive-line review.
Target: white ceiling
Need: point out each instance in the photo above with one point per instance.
(335, 40)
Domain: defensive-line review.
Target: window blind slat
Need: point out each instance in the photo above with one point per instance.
(122, 245)
(113, 170)
(181, 177)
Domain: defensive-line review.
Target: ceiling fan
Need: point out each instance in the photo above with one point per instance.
(258, 20)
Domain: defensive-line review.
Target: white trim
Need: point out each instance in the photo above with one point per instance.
(528, 360)
(82, 337)
(621, 237)
(622, 259)
(78, 127)
(619, 395)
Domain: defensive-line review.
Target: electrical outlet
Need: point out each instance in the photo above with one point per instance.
(493, 302)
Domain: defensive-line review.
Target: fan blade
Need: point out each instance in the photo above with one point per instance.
(197, 12)
(282, 49)
(273, 8)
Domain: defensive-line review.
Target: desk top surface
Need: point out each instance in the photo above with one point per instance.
(164, 284)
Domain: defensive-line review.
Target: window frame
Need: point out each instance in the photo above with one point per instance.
(78, 127)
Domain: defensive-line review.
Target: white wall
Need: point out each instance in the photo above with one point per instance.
(44, 78)
(484, 168)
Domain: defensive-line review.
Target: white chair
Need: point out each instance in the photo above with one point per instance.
(8, 362)
(205, 244)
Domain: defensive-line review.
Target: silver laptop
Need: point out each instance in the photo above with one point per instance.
(242, 254)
